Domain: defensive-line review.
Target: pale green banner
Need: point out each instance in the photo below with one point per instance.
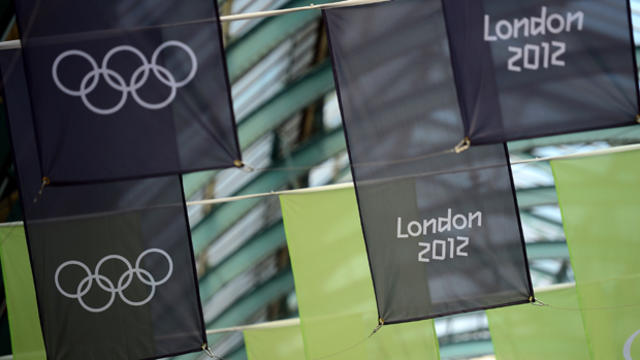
(279, 343)
(334, 288)
(24, 322)
(530, 332)
(600, 202)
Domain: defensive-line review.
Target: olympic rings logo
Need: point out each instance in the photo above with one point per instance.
(117, 82)
(104, 283)
(626, 350)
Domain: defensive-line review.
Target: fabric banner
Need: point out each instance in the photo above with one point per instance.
(112, 263)
(334, 288)
(442, 229)
(599, 199)
(281, 343)
(124, 90)
(541, 67)
(20, 295)
(553, 332)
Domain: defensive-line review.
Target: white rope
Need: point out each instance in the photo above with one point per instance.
(15, 44)
(272, 193)
(611, 150)
(268, 13)
(10, 224)
(259, 326)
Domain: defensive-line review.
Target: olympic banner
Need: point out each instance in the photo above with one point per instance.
(125, 90)
(333, 284)
(112, 262)
(553, 332)
(532, 68)
(599, 199)
(20, 295)
(442, 229)
(281, 342)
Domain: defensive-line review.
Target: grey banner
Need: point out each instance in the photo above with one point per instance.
(112, 262)
(442, 230)
(126, 90)
(532, 68)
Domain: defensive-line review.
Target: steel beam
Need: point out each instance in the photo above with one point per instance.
(246, 51)
(295, 97)
(314, 152)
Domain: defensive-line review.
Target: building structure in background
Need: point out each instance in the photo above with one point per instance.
(291, 136)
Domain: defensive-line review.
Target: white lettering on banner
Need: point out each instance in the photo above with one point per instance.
(438, 249)
(534, 56)
(626, 351)
(104, 283)
(444, 224)
(455, 246)
(117, 82)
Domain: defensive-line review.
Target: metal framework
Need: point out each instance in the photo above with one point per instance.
(288, 119)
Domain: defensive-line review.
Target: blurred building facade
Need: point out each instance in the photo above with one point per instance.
(291, 137)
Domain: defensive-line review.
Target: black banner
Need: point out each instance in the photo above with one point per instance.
(442, 229)
(112, 262)
(125, 90)
(532, 68)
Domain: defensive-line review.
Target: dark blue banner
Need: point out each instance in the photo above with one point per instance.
(533, 68)
(124, 90)
(441, 228)
(112, 262)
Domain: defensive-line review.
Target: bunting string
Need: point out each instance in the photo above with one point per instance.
(611, 150)
(16, 44)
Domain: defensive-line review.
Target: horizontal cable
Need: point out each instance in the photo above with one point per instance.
(16, 44)
(296, 321)
(268, 13)
(611, 150)
(259, 326)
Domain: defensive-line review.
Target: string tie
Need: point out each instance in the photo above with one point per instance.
(380, 323)
(45, 181)
(463, 145)
(244, 167)
(537, 302)
(207, 350)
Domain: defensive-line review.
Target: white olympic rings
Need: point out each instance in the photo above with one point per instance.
(117, 82)
(84, 286)
(626, 350)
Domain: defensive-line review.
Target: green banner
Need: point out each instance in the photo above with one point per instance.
(26, 336)
(599, 198)
(334, 288)
(529, 332)
(281, 343)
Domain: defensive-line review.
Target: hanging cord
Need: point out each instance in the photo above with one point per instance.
(597, 308)
(45, 182)
(538, 302)
(606, 151)
(460, 147)
(16, 44)
(380, 323)
(207, 350)
(243, 166)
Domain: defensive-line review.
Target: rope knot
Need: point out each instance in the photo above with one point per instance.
(463, 145)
